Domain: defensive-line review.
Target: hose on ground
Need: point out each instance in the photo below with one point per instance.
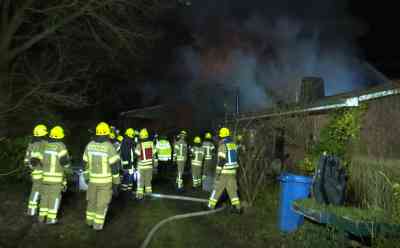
(178, 197)
(176, 217)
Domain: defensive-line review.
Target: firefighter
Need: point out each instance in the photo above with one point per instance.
(164, 153)
(55, 163)
(155, 157)
(226, 171)
(102, 164)
(180, 157)
(145, 152)
(33, 160)
(127, 160)
(209, 149)
(197, 156)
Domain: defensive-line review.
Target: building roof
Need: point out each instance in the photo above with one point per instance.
(346, 100)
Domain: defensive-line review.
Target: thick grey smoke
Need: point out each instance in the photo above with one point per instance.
(264, 48)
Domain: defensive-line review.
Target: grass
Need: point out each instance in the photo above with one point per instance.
(128, 223)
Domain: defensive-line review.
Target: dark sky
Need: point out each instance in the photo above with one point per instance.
(381, 44)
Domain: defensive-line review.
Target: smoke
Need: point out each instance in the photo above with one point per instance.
(262, 49)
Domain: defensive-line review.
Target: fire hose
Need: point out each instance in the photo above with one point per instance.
(179, 216)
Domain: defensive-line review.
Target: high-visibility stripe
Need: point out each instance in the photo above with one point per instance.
(53, 179)
(124, 162)
(230, 172)
(96, 153)
(53, 174)
(100, 180)
(197, 163)
(98, 175)
(144, 167)
(180, 158)
(85, 157)
(62, 153)
(222, 154)
(113, 159)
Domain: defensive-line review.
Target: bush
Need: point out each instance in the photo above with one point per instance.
(12, 153)
(336, 137)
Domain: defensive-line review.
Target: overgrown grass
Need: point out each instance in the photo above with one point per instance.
(371, 182)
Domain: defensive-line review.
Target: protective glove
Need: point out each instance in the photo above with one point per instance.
(115, 189)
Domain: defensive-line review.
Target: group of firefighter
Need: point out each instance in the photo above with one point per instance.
(112, 162)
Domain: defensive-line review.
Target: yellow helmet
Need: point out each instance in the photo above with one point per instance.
(120, 138)
(183, 133)
(143, 134)
(57, 132)
(102, 129)
(197, 140)
(40, 130)
(111, 135)
(208, 136)
(130, 132)
(224, 132)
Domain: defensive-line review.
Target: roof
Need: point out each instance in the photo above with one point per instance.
(347, 100)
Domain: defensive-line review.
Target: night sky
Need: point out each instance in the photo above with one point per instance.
(381, 42)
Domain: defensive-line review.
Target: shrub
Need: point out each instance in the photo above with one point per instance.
(12, 153)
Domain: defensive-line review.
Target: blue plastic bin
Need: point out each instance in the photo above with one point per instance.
(293, 187)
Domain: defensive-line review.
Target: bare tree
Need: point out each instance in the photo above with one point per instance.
(50, 51)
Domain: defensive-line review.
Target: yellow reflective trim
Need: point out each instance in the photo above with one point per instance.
(144, 167)
(85, 157)
(98, 221)
(100, 180)
(53, 179)
(113, 159)
(53, 174)
(62, 153)
(230, 172)
(97, 175)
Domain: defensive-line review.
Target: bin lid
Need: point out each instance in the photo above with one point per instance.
(288, 177)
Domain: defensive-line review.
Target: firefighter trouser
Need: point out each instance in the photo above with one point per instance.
(145, 175)
(207, 168)
(98, 198)
(196, 175)
(228, 182)
(127, 180)
(181, 168)
(34, 197)
(50, 200)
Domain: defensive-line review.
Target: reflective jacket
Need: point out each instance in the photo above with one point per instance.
(180, 150)
(145, 152)
(227, 157)
(209, 148)
(55, 161)
(197, 155)
(164, 150)
(101, 163)
(35, 150)
(127, 153)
